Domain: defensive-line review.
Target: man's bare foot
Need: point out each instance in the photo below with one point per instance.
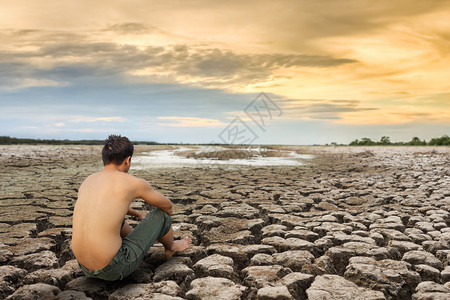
(178, 246)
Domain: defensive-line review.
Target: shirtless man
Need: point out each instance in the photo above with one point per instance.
(104, 245)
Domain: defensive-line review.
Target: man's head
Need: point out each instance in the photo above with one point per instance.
(117, 150)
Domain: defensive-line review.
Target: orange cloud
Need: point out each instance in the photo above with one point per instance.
(394, 115)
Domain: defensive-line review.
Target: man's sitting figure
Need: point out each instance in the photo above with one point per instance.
(104, 244)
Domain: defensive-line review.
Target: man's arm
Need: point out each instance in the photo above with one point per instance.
(135, 213)
(152, 197)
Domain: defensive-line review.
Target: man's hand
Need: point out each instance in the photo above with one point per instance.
(141, 215)
(138, 214)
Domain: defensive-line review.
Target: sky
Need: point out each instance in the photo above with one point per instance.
(256, 72)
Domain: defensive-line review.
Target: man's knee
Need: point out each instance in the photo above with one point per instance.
(166, 220)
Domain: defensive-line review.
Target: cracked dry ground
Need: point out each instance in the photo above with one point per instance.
(356, 223)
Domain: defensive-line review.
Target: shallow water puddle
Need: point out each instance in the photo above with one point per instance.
(169, 159)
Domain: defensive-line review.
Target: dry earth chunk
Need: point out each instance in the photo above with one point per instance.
(215, 288)
(334, 287)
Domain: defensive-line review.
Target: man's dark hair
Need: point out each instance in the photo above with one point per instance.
(116, 149)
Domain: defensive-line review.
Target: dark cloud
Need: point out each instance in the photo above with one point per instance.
(135, 28)
(410, 114)
(330, 18)
(320, 108)
(346, 17)
(31, 38)
(130, 28)
(13, 74)
(217, 63)
(212, 65)
(58, 50)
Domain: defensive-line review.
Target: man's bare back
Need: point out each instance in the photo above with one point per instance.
(103, 201)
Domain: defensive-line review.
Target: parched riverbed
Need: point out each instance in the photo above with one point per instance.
(341, 223)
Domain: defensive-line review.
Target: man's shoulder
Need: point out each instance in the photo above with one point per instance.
(132, 179)
(91, 177)
(122, 177)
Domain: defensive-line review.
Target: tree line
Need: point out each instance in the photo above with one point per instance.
(6, 140)
(386, 141)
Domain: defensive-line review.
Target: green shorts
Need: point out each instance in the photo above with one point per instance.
(135, 245)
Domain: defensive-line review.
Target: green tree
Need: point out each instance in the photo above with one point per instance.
(366, 142)
(354, 143)
(442, 141)
(415, 141)
(385, 140)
